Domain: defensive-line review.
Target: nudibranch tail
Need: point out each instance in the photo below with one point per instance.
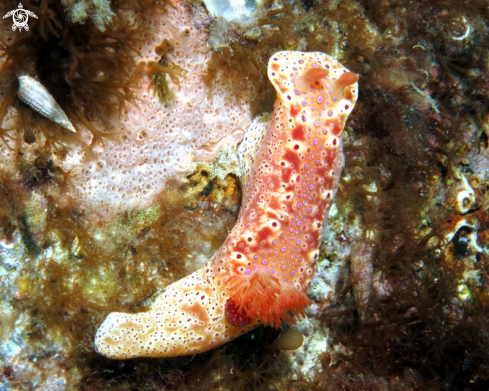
(262, 271)
(187, 318)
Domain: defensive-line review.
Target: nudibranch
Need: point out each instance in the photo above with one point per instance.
(261, 272)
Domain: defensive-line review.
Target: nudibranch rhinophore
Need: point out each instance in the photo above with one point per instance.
(261, 272)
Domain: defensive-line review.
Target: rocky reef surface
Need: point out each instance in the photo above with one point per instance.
(148, 187)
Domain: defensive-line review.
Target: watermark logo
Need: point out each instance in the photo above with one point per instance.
(20, 17)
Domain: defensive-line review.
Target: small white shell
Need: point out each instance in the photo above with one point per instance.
(37, 97)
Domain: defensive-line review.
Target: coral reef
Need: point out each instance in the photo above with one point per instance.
(399, 297)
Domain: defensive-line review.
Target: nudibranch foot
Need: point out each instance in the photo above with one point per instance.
(262, 295)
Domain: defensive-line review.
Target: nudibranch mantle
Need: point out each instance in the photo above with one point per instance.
(261, 272)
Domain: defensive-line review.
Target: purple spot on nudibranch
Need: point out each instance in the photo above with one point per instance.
(255, 257)
(292, 272)
(306, 166)
(301, 61)
(248, 271)
(334, 98)
(315, 65)
(325, 131)
(273, 271)
(316, 141)
(330, 91)
(297, 92)
(300, 259)
(283, 267)
(317, 123)
(274, 242)
(330, 113)
(311, 187)
(283, 249)
(309, 210)
(318, 162)
(298, 241)
(264, 261)
(320, 99)
(304, 103)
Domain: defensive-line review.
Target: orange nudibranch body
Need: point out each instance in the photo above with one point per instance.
(261, 272)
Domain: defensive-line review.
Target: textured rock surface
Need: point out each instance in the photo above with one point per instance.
(400, 290)
(155, 142)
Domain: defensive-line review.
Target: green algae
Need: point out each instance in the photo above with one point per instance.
(162, 88)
